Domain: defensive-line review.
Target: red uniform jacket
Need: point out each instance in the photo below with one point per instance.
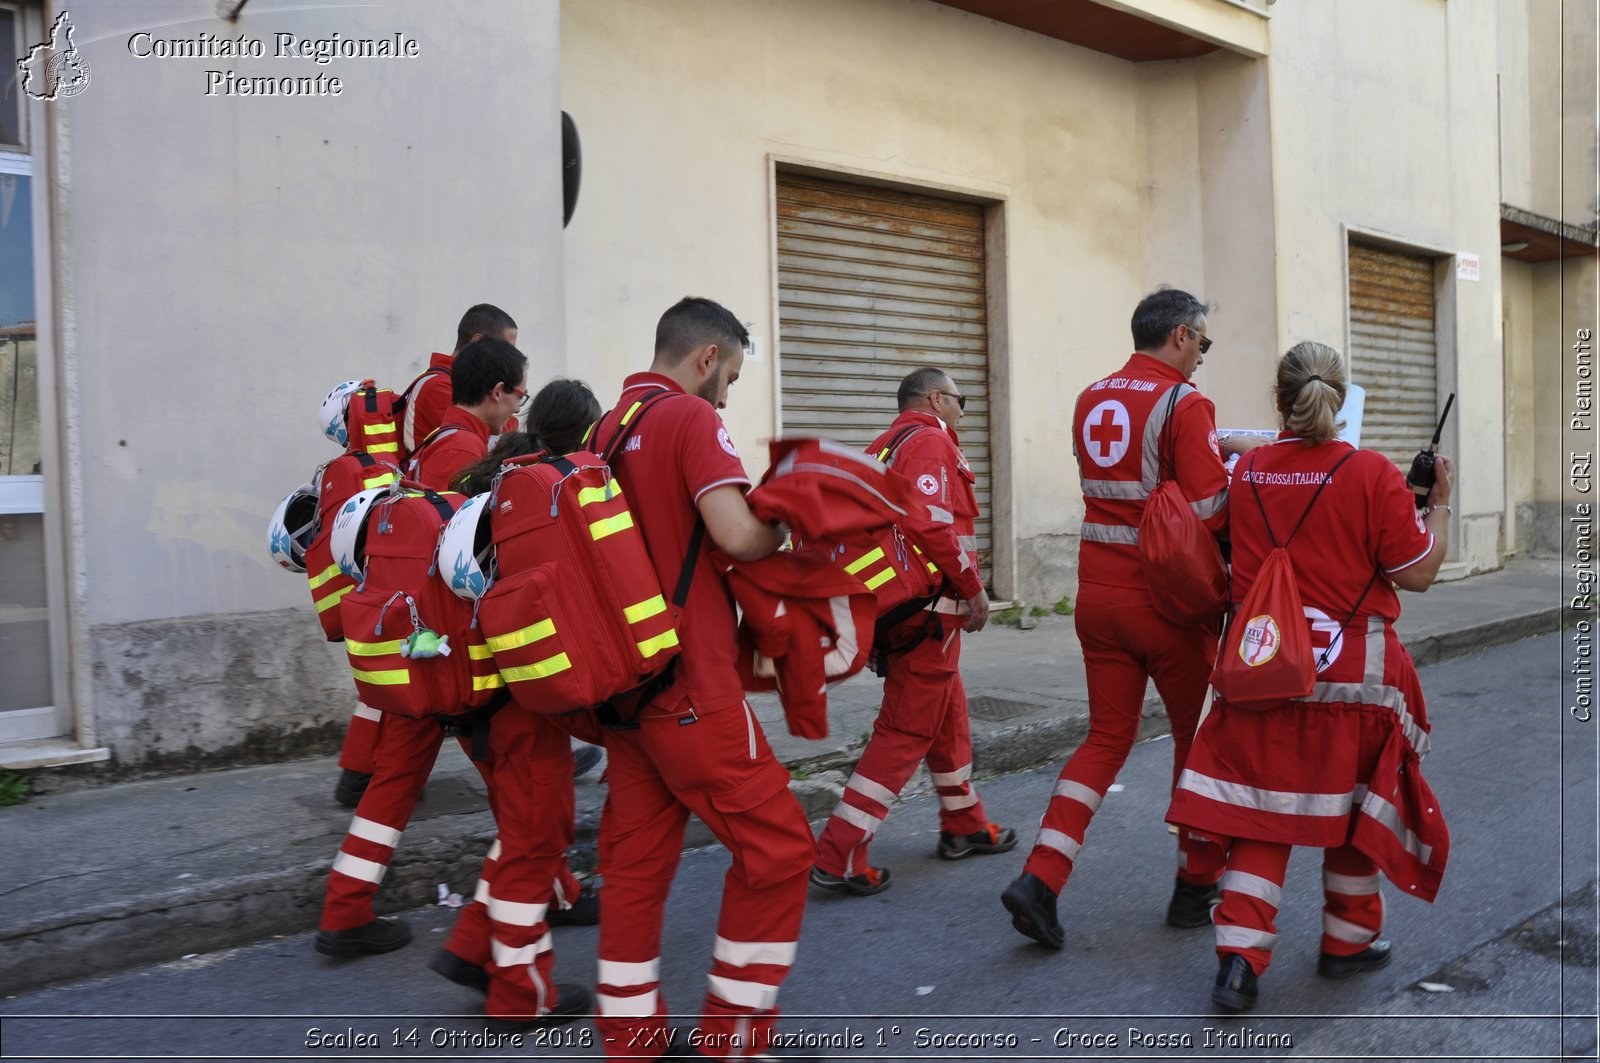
(931, 460)
(1120, 434)
(462, 439)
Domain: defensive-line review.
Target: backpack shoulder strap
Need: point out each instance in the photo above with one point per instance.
(1318, 494)
(1166, 460)
(888, 453)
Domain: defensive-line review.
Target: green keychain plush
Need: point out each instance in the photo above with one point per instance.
(425, 643)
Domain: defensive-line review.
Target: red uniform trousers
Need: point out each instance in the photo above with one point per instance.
(924, 716)
(405, 756)
(1252, 890)
(360, 749)
(718, 766)
(1126, 643)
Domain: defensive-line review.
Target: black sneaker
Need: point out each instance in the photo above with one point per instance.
(573, 1002)
(1033, 910)
(1191, 905)
(1371, 958)
(380, 935)
(872, 880)
(351, 785)
(1236, 988)
(584, 759)
(459, 971)
(584, 911)
(991, 839)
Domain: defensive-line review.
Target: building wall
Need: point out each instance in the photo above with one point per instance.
(1383, 125)
(220, 263)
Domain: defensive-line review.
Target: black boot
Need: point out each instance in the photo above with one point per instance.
(1033, 910)
(1191, 905)
(1236, 984)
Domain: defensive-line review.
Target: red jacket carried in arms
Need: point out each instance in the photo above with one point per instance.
(930, 459)
(1116, 434)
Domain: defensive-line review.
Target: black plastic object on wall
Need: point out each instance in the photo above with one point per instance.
(571, 167)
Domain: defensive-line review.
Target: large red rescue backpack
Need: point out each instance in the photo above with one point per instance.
(373, 420)
(574, 612)
(410, 643)
(1266, 653)
(1181, 560)
(337, 481)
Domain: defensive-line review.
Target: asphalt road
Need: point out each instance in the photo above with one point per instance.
(1502, 966)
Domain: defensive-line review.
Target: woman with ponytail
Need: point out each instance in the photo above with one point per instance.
(1338, 769)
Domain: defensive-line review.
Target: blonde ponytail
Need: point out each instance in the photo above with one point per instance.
(1310, 391)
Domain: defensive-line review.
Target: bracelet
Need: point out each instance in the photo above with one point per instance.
(1442, 505)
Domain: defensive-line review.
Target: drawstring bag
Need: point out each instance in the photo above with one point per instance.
(1266, 653)
(1181, 561)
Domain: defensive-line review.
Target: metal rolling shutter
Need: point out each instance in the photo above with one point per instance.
(1392, 351)
(872, 284)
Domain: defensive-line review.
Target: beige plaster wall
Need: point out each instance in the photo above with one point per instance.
(1383, 123)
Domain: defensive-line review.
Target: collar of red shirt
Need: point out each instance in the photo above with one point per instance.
(440, 361)
(652, 380)
(456, 417)
(1139, 362)
(927, 418)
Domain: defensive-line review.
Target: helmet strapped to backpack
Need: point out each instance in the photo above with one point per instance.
(293, 527)
(466, 551)
(334, 404)
(348, 538)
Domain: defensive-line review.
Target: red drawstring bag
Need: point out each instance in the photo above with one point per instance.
(1266, 653)
(1181, 561)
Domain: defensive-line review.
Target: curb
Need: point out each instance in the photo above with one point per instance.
(230, 912)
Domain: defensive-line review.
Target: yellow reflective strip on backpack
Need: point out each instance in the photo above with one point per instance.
(478, 652)
(324, 576)
(933, 568)
(333, 599)
(864, 560)
(383, 448)
(599, 494)
(880, 579)
(645, 610)
(383, 479)
(390, 678)
(380, 428)
(631, 411)
(487, 682)
(540, 670)
(372, 649)
(521, 637)
(611, 525)
(665, 641)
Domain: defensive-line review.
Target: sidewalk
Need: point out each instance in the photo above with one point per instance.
(152, 871)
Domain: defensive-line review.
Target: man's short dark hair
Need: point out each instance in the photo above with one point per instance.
(693, 322)
(485, 319)
(1160, 312)
(480, 366)
(918, 383)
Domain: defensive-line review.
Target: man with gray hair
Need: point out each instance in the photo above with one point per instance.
(1142, 424)
(924, 713)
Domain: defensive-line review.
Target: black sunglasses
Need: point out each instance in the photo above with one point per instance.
(961, 400)
(1205, 341)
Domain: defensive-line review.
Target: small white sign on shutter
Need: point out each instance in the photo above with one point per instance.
(1468, 268)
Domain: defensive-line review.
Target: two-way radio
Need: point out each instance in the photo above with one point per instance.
(1420, 478)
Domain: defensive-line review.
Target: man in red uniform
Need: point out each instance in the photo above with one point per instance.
(487, 384)
(429, 396)
(924, 713)
(695, 746)
(1120, 429)
(426, 399)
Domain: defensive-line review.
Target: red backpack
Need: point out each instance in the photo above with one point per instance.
(408, 637)
(1266, 652)
(1181, 560)
(575, 615)
(373, 420)
(352, 472)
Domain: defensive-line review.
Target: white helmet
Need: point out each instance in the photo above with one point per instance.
(466, 551)
(293, 526)
(346, 541)
(333, 408)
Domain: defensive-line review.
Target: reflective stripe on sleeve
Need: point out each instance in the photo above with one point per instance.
(1207, 508)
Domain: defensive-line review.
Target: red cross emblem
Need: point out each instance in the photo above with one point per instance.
(1106, 432)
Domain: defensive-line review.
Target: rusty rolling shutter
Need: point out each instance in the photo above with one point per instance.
(1392, 350)
(872, 284)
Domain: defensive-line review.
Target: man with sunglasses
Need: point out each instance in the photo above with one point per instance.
(924, 712)
(1120, 432)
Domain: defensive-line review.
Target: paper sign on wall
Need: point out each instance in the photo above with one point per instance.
(1467, 268)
